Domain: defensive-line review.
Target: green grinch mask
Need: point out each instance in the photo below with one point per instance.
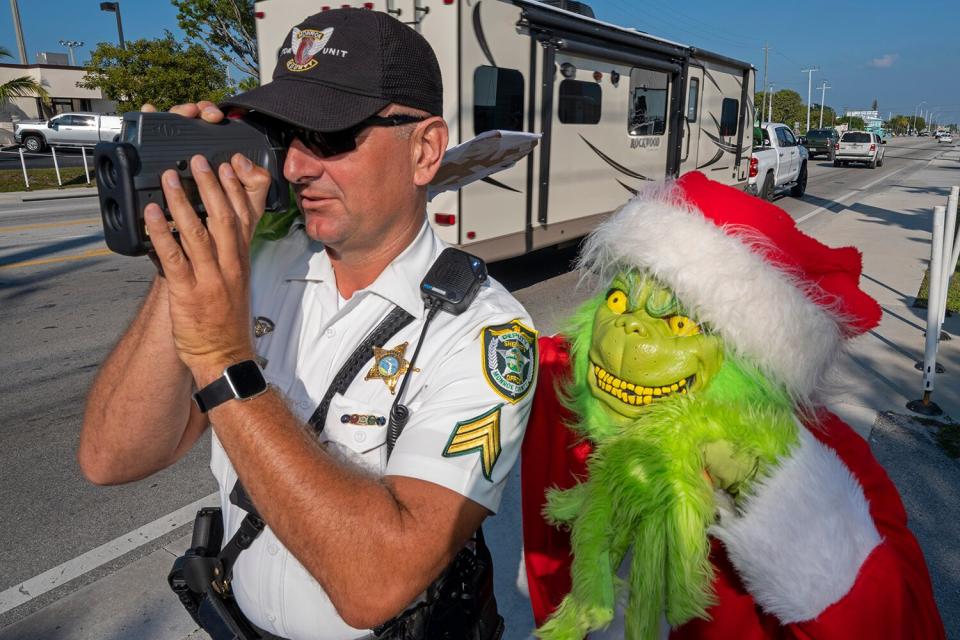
(645, 348)
(673, 418)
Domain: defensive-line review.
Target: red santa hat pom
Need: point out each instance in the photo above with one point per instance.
(778, 297)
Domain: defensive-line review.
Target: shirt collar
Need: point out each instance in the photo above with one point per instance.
(399, 282)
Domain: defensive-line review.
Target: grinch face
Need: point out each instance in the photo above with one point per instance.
(645, 349)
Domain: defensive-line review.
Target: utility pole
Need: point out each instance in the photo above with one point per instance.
(763, 105)
(823, 96)
(16, 26)
(809, 73)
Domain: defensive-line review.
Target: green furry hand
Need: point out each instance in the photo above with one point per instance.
(563, 506)
(729, 469)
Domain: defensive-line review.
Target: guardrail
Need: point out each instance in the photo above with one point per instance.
(56, 165)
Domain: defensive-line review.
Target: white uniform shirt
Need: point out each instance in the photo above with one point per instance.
(469, 401)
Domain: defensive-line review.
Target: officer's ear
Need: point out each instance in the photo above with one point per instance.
(428, 143)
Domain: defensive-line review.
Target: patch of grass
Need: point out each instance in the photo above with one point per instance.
(12, 179)
(948, 439)
(953, 294)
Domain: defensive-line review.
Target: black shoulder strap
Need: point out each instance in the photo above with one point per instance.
(252, 524)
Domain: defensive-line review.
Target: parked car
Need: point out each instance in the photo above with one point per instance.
(945, 138)
(859, 146)
(821, 141)
(68, 130)
(778, 162)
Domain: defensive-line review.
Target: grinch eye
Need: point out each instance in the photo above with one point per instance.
(617, 301)
(683, 326)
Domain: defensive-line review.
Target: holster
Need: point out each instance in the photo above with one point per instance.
(197, 577)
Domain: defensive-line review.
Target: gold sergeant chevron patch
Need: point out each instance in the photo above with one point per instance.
(481, 434)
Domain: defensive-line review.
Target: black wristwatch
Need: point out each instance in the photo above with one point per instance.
(240, 381)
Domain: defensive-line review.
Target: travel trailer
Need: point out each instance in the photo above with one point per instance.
(617, 108)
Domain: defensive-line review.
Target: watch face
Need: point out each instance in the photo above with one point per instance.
(246, 379)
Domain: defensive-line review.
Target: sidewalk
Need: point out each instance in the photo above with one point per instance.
(877, 378)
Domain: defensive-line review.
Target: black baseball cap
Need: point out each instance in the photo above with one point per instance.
(341, 66)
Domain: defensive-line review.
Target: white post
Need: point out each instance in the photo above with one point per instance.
(56, 167)
(86, 171)
(934, 296)
(23, 163)
(949, 239)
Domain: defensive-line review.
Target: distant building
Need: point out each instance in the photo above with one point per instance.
(60, 81)
(871, 120)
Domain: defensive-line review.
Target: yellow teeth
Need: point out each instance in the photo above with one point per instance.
(635, 394)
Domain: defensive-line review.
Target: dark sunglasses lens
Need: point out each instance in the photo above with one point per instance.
(329, 143)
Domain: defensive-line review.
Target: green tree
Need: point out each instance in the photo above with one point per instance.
(874, 105)
(788, 107)
(162, 72)
(225, 25)
(21, 87)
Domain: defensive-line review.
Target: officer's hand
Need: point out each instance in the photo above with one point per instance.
(729, 469)
(203, 109)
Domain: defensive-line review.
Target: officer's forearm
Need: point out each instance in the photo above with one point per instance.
(139, 409)
(370, 553)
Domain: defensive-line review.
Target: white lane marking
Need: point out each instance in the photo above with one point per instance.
(26, 591)
(850, 194)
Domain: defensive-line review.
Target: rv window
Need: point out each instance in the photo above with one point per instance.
(692, 99)
(579, 102)
(648, 103)
(728, 117)
(497, 99)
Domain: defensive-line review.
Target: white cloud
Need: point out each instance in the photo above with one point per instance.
(885, 61)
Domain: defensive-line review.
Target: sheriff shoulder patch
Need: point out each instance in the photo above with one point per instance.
(510, 359)
(480, 434)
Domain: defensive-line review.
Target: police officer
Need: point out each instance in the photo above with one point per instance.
(259, 332)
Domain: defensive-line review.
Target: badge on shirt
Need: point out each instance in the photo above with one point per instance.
(510, 359)
(480, 434)
(389, 365)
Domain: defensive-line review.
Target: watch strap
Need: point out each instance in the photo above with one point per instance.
(215, 393)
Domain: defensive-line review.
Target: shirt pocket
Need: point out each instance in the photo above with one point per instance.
(356, 431)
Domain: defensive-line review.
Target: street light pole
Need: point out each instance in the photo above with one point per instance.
(21, 47)
(70, 44)
(809, 73)
(770, 107)
(114, 7)
(823, 96)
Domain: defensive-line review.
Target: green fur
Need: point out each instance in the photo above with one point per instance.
(647, 491)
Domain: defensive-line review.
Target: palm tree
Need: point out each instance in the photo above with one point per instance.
(21, 87)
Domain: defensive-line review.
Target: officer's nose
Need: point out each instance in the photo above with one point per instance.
(302, 165)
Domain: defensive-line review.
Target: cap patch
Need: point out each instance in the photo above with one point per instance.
(510, 359)
(305, 45)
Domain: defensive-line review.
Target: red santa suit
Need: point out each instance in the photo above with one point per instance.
(821, 549)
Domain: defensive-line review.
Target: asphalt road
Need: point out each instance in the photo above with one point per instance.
(64, 300)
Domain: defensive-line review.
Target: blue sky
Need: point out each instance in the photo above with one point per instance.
(865, 50)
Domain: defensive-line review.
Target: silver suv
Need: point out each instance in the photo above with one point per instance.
(859, 146)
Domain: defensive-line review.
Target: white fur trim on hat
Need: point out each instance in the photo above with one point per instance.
(761, 311)
(804, 534)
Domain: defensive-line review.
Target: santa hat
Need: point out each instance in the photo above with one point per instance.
(777, 297)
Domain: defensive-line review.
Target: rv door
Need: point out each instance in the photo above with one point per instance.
(690, 149)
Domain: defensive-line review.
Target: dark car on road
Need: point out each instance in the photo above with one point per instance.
(821, 141)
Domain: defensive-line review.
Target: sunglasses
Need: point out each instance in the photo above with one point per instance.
(332, 143)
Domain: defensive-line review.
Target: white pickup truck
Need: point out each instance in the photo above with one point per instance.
(778, 162)
(67, 130)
